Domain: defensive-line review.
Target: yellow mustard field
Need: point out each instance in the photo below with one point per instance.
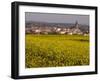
(56, 50)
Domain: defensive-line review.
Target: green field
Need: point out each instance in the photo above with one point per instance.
(56, 50)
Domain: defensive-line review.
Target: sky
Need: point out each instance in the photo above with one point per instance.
(56, 18)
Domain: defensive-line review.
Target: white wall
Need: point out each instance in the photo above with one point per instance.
(5, 40)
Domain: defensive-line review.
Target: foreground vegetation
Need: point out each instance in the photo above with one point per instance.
(56, 50)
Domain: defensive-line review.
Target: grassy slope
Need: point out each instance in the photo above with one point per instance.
(56, 50)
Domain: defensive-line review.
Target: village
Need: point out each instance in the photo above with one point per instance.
(56, 29)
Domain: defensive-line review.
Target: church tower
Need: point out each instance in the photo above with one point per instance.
(76, 25)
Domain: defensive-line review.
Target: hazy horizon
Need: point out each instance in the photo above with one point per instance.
(56, 18)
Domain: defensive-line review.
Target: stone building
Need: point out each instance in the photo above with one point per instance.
(47, 29)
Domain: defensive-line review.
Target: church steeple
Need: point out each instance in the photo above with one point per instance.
(76, 24)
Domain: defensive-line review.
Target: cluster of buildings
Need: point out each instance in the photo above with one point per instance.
(75, 29)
